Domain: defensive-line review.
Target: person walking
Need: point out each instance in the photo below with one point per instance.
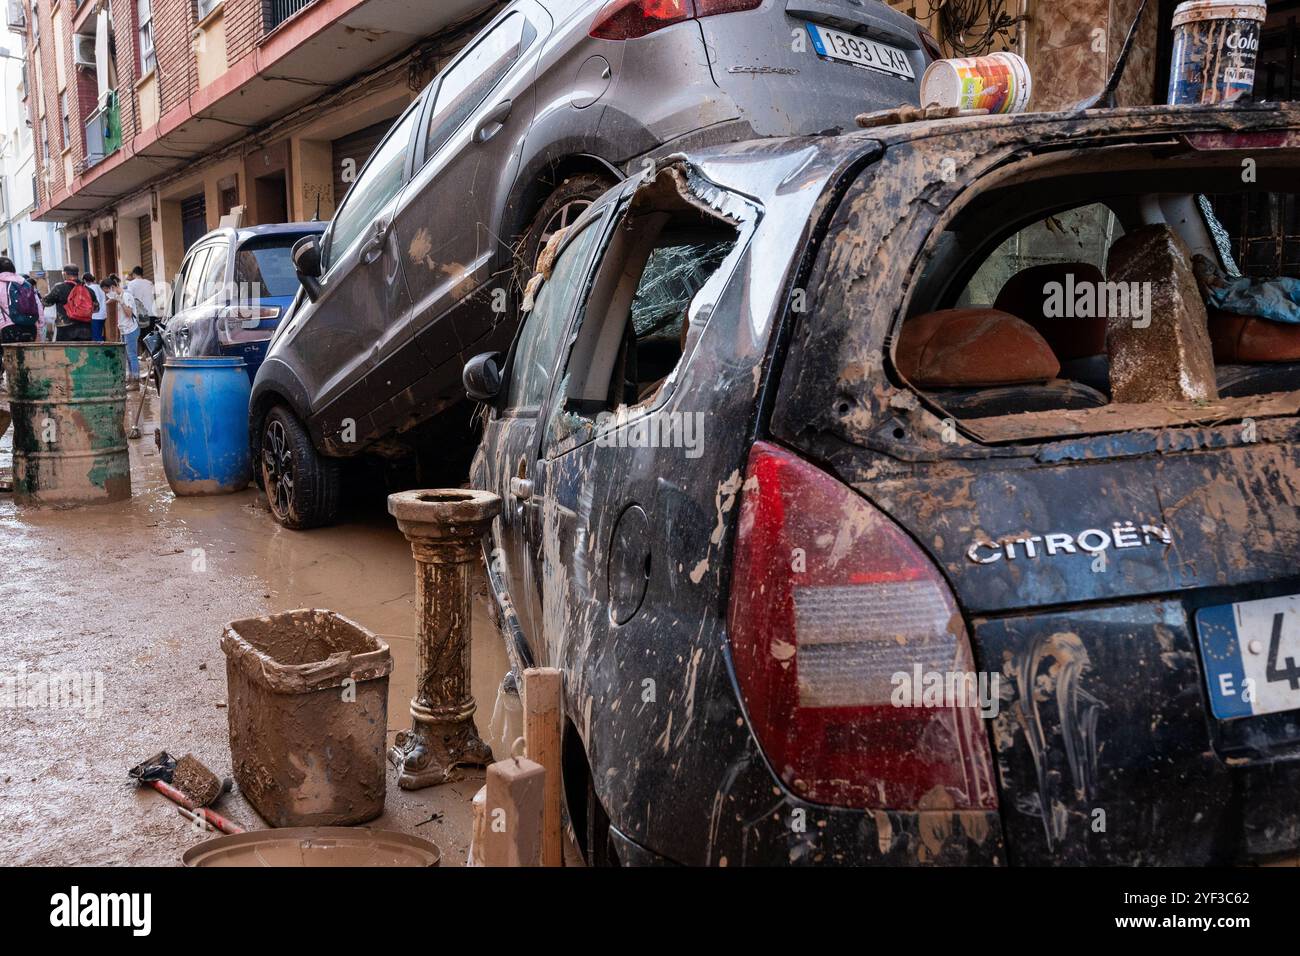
(20, 307)
(143, 292)
(124, 305)
(74, 306)
(100, 315)
(111, 331)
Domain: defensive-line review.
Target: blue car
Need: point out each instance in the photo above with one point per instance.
(233, 288)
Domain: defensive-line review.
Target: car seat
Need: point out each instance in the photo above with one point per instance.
(1254, 356)
(1078, 343)
(980, 363)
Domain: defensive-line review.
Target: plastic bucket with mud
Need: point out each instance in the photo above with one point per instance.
(308, 706)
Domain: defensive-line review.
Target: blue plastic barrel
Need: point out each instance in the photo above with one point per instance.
(205, 425)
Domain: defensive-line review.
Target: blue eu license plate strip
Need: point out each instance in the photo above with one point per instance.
(1251, 654)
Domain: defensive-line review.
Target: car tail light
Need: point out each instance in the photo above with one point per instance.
(1253, 139)
(237, 324)
(629, 19)
(931, 45)
(829, 601)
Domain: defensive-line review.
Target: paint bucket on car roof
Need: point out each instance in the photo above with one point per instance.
(999, 83)
(1216, 44)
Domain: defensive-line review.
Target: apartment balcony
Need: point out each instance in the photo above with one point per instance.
(318, 46)
(277, 11)
(103, 133)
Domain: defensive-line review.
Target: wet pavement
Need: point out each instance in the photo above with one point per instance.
(136, 594)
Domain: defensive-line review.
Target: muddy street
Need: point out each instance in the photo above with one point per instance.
(135, 596)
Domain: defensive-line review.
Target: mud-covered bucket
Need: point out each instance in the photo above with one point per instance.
(308, 704)
(1216, 44)
(68, 402)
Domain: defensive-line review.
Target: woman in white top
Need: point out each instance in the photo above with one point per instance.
(127, 325)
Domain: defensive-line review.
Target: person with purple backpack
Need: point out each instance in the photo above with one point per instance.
(20, 306)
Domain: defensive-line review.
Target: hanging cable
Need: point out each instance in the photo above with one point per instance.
(972, 27)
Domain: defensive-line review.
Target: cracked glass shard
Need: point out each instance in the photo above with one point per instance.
(672, 277)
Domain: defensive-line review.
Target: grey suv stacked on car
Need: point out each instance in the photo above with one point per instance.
(550, 105)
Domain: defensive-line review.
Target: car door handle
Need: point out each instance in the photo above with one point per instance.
(521, 489)
(375, 247)
(493, 122)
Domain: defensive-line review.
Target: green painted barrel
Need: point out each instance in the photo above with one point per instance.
(68, 402)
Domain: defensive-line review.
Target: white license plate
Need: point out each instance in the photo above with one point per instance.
(838, 45)
(1251, 652)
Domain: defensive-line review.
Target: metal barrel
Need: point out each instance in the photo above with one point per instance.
(68, 402)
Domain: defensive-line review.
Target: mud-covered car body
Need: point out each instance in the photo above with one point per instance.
(414, 270)
(658, 574)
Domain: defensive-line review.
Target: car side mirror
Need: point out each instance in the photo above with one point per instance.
(482, 377)
(306, 261)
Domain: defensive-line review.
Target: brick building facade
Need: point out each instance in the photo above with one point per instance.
(156, 119)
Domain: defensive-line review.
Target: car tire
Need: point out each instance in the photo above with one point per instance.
(561, 207)
(302, 486)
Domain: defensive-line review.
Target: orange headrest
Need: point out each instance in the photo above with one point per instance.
(969, 348)
(1248, 341)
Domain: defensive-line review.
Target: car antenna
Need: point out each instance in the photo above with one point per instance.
(316, 218)
(1106, 98)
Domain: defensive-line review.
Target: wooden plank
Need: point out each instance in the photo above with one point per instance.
(514, 813)
(543, 725)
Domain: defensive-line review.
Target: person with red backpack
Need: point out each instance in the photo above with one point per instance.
(76, 306)
(20, 306)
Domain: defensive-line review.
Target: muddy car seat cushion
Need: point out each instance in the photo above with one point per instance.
(1254, 356)
(972, 348)
(1242, 339)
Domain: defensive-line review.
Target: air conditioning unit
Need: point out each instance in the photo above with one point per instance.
(83, 51)
(17, 16)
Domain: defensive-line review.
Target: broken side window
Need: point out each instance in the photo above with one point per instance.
(543, 328)
(636, 324)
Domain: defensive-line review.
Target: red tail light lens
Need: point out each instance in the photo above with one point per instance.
(829, 602)
(629, 19)
(931, 45)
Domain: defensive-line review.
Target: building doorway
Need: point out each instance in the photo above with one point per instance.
(272, 197)
(146, 246)
(194, 220)
(106, 253)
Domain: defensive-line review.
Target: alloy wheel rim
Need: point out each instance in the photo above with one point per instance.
(277, 469)
(564, 217)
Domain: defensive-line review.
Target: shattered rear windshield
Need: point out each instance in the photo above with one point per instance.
(1175, 292)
